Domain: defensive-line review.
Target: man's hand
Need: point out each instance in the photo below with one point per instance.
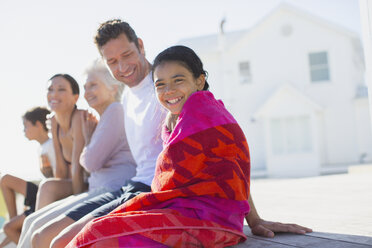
(268, 229)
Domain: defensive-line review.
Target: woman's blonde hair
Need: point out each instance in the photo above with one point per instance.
(99, 68)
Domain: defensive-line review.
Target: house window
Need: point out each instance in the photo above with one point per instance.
(290, 135)
(245, 72)
(319, 68)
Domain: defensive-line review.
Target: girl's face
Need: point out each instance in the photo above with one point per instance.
(60, 97)
(97, 93)
(174, 83)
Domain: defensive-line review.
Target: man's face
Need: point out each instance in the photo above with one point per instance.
(126, 62)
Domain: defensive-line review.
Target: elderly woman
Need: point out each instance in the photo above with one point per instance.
(106, 155)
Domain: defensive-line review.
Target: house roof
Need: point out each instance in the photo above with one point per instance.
(210, 43)
(287, 101)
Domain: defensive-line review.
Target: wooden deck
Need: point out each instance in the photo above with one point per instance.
(338, 208)
(315, 239)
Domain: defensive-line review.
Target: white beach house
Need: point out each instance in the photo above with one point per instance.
(295, 83)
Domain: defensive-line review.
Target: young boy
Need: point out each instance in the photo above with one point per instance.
(35, 128)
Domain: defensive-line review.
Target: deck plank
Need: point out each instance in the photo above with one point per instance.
(316, 239)
(344, 237)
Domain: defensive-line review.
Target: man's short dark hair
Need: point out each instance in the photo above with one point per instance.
(111, 30)
(37, 114)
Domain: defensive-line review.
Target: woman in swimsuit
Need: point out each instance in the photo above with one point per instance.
(68, 141)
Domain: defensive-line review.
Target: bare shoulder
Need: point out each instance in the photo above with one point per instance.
(77, 116)
(77, 119)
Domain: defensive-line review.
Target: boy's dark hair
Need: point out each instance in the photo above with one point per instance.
(74, 85)
(186, 57)
(37, 114)
(111, 30)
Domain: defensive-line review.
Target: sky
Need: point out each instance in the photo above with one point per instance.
(40, 38)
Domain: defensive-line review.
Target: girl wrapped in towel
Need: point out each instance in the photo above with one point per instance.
(200, 190)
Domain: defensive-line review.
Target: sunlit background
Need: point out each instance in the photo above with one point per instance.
(251, 67)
